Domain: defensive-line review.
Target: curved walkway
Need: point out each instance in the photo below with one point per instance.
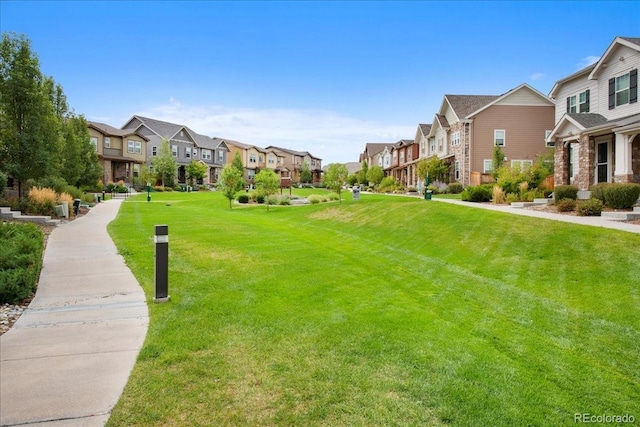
(67, 359)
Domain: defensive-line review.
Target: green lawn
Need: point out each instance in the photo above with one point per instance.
(383, 311)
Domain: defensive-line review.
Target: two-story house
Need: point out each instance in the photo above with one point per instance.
(293, 161)
(597, 130)
(120, 152)
(371, 154)
(468, 127)
(255, 159)
(404, 155)
(186, 146)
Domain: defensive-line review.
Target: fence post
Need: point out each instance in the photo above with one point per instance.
(161, 240)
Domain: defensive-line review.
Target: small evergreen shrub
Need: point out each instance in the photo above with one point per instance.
(566, 205)
(479, 193)
(597, 190)
(455, 188)
(565, 192)
(260, 198)
(621, 196)
(591, 207)
(243, 198)
(109, 188)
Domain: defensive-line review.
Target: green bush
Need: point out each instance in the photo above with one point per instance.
(58, 184)
(158, 188)
(388, 184)
(74, 192)
(591, 207)
(260, 198)
(284, 201)
(455, 188)
(479, 193)
(621, 196)
(512, 197)
(510, 178)
(243, 198)
(566, 205)
(334, 196)
(272, 200)
(565, 192)
(3, 183)
(597, 190)
(314, 199)
(20, 261)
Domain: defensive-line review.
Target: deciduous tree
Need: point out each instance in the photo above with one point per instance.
(164, 164)
(375, 175)
(231, 181)
(335, 177)
(195, 170)
(268, 182)
(305, 174)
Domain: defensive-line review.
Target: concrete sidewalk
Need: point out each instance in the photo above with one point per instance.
(594, 221)
(67, 359)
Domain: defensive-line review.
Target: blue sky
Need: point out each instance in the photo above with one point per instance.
(323, 77)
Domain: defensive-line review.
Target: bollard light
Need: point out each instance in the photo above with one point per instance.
(161, 240)
(148, 192)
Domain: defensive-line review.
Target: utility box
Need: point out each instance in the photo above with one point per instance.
(356, 193)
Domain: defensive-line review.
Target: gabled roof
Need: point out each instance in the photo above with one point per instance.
(463, 105)
(591, 123)
(444, 123)
(403, 142)
(554, 89)
(588, 120)
(110, 130)
(424, 128)
(631, 42)
(375, 147)
(506, 95)
(293, 152)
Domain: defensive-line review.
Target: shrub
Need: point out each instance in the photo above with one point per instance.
(20, 261)
(72, 191)
(333, 196)
(498, 195)
(158, 188)
(57, 184)
(509, 178)
(388, 184)
(591, 207)
(455, 188)
(479, 193)
(272, 200)
(621, 196)
(438, 187)
(43, 200)
(284, 201)
(243, 198)
(565, 192)
(3, 183)
(314, 199)
(512, 197)
(565, 205)
(88, 198)
(109, 188)
(597, 190)
(260, 198)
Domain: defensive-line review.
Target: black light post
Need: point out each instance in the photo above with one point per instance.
(161, 240)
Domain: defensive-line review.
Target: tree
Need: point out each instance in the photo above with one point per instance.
(497, 161)
(435, 167)
(231, 181)
(78, 158)
(375, 175)
(236, 162)
(335, 177)
(29, 126)
(268, 182)
(362, 173)
(164, 164)
(305, 174)
(195, 170)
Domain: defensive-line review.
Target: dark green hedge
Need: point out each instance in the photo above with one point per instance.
(20, 260)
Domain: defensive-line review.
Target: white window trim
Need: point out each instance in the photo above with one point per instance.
(456, 167)
(154, 151)
(495, 137)
(187, 152)
(521, 163)
(487, 166)
(627, 89)
(94, 141)
(107, 142)
(174, 150)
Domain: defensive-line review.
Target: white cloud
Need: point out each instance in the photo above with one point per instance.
(536, 76)
(587, 60)
(325, 134)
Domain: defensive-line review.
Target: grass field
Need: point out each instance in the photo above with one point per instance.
(383, 311)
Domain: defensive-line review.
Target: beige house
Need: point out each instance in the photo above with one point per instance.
(292, 162)
(120, 152)
(466, 129)
(255, 159)
(597, 120)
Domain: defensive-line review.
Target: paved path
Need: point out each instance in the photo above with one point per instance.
(67, 359)
(594, 221)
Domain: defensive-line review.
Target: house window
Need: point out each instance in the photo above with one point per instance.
(261, 158)
(313, 163)
(134, 147)
(206, 154)
(252, 158)
(623, 89)
(457, 170)
(154, 151)
(107, 142)
(402, 157)
(583, 101)
(250, 174)
(395, 156)
(521, 164)
(136, 170)
(547, 133)
(440, 144)
(221, 156)
(499, 137)
(432, 143)
(270, 160)
(187, 152)
(487, 166)
(94, 141)
(195, 153)
(572, 104)
(174, 150)
(422, 148)
(455, 138)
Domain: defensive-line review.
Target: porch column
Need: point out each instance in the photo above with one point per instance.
(561, 163)
(623, 168)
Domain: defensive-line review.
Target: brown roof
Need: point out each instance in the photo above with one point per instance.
(425, 128)
(110, 130)
(463, 105)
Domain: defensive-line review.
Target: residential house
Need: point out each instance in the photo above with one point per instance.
(120, 152)
(186, 146)
(292, 162)
(404, 156)
(423, 143)
(468, 127)
(372, 154)
(597, 130)
(255, 159)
